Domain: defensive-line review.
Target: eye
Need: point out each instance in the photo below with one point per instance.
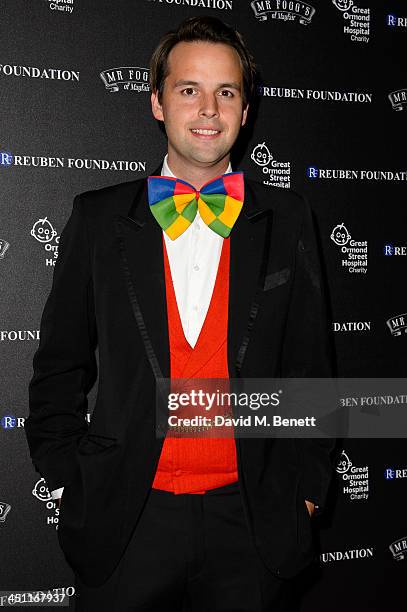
(229, 92)
(187, 89)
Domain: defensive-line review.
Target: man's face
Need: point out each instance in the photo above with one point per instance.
(204, 90)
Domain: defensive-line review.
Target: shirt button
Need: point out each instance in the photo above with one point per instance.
(196, 267)
(178, 472)
(197, 226)
(195, 308)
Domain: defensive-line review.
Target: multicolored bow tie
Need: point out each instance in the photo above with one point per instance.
(174, 202)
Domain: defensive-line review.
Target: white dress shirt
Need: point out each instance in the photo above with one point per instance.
(194, 260)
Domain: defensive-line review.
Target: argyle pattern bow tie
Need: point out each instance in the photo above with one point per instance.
(174, 202)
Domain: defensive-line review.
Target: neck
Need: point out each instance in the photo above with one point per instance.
(196, 175)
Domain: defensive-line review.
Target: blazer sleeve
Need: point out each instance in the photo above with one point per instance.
(64, 364)
(307, 353)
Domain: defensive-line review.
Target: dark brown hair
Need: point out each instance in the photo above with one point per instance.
(204, 28)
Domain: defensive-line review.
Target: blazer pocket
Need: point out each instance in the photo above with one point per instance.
(276, 278)
(95, 443)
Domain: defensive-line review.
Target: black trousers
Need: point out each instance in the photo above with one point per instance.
(189, 553)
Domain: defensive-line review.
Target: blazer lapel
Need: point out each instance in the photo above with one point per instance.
(249, 254)
(139, 240)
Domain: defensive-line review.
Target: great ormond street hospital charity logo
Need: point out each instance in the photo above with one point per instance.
(354, 479)
(41, 491)
(66, 6)
(356, 20)
(340, 235)
(284, 10)
(278, 172)
(354, 252)
(343, 5)
(344, 463)
(44, 232)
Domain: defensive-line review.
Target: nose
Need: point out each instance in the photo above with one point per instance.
(209, 106)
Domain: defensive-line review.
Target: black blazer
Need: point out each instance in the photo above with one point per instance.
(108, 292)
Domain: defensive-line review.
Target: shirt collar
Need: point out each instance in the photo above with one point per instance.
(165, 171)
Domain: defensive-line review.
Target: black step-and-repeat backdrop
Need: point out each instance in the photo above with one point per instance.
(330, 123)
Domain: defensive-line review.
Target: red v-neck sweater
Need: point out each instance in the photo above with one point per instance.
(194, 465)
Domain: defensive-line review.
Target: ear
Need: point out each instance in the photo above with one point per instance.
(244, 115)
(156, 107)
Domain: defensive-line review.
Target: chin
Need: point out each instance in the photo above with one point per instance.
(209, 156)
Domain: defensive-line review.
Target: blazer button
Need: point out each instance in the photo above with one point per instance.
(178, 472)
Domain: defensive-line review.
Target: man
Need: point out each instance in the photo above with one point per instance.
(167, 285)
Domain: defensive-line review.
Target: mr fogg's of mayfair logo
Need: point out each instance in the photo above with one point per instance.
(398, 99)
(356, 20)
(397, 324)
(4, 510)
(354, 479)
(4, 245)
(399, 549)
(126, 78)
(354, 251)
(278, 173)
(283, 10)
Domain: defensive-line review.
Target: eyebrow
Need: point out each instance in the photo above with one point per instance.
(231, 85)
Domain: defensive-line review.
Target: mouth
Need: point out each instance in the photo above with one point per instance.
(205, 134)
